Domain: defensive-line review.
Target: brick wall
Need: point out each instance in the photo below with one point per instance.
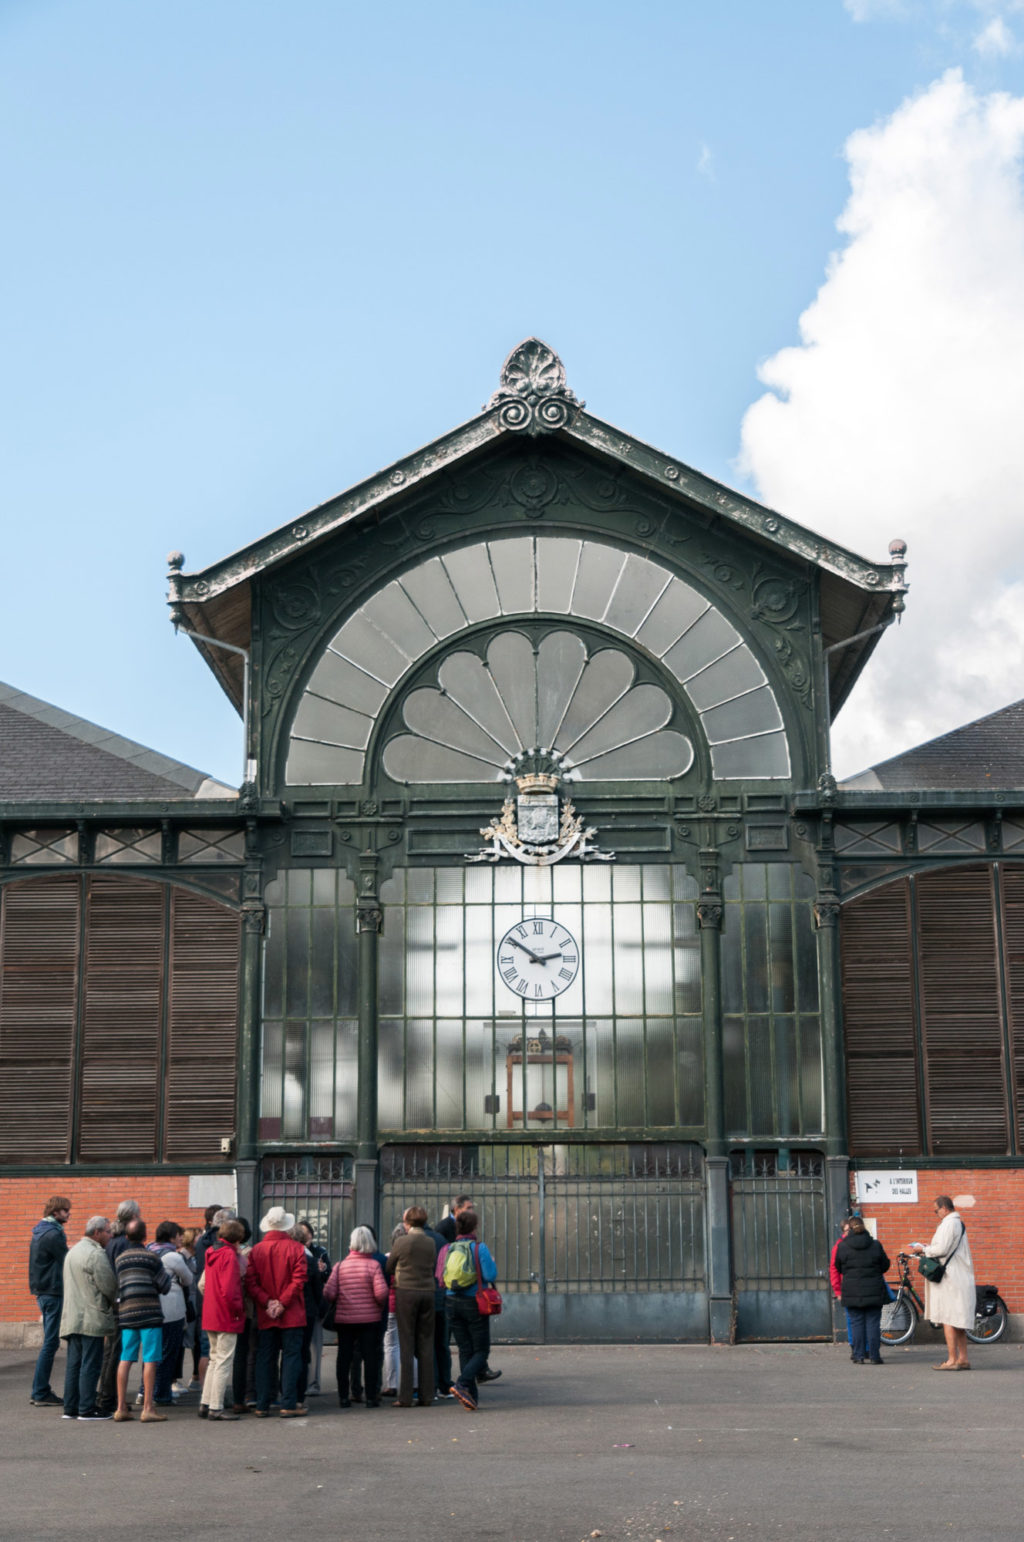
(163, 1198)
(990, 1202)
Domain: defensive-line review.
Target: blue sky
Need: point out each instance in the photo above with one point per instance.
(253, 252)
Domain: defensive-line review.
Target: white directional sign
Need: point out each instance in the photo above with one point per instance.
(887, 1188)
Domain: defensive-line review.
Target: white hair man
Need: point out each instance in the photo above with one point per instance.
(90, 1290)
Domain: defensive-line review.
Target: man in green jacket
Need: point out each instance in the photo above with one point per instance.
(90, 1290)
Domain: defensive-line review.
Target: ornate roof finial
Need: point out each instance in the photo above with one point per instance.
(534, 397)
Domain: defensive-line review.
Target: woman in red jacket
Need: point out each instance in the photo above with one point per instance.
(357, 1290)
(223, 1316)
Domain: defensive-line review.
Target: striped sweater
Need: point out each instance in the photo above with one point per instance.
(141, 1281)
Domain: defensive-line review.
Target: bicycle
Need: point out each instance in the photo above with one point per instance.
(901, 1316)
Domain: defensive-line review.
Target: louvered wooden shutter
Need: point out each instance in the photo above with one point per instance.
(878, 1018)
(39, 938)
(1013, 932)
(202, 1027)
(961, 1016)
(122, 1018)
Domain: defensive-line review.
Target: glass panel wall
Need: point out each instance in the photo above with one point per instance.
(310, 1031)
(771, 1026)
(517, 998)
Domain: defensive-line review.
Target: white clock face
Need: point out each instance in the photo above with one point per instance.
(538, 958)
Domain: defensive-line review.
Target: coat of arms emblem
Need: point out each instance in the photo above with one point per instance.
(538, 827)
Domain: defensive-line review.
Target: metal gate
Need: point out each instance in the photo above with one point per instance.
(317, 1189)
(780, 1245)
(592, 1242)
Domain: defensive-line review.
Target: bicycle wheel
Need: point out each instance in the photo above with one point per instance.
(899, 1319)
(987, 1329)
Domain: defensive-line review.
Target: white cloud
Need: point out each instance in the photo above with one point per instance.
(705, 163)
(900, 412)
(994, 40)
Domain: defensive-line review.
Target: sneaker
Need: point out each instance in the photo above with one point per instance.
(445, 1392)
(48, 1400)
(464, 1396)
(195, 1384)
(488, 1375)
(69, 1416)
(295, 1413)
(93, 1418)
(139, 1399)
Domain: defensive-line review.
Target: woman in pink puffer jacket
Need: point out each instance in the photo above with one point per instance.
(357, 1291)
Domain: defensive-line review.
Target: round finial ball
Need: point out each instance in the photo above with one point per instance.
(175, 561)
(897, 548)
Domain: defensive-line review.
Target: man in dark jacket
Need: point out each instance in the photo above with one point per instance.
(46, 1256)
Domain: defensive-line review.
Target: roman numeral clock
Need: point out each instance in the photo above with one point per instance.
(538, 958)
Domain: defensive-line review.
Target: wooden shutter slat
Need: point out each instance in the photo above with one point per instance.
(202, 1027)
(961, 1012)
(121, 1018)
(878, 1017)
(39, 940)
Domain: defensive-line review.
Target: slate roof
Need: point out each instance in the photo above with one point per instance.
(986, 753)
(50, 756)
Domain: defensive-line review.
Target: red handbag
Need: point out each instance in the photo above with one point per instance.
(488, 1297)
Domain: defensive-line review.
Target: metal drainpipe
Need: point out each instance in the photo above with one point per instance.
(249, 771)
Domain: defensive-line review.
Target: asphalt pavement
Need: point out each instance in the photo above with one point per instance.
(626, 1443)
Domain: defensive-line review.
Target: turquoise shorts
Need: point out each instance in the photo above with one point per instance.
(152, 1343)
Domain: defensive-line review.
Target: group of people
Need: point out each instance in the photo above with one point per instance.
(858, 1268)
(257, 1313)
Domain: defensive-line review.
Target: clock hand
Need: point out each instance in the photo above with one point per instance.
(529, 951)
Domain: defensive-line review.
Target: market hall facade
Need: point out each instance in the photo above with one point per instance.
(533, 890)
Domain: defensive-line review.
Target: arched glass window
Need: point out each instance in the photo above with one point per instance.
(626, 596)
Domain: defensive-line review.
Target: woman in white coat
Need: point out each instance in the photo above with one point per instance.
(952, 1301)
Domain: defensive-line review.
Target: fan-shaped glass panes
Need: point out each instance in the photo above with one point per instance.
(587, 708)
(530, 575)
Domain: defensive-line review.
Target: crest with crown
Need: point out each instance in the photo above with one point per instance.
(537, 826)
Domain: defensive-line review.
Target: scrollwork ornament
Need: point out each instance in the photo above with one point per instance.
(253, 917)
(533, 397)
(296, 605)
(826, 913)
(533, 486)
(723, 573)
(279, 678)
(775, 599)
